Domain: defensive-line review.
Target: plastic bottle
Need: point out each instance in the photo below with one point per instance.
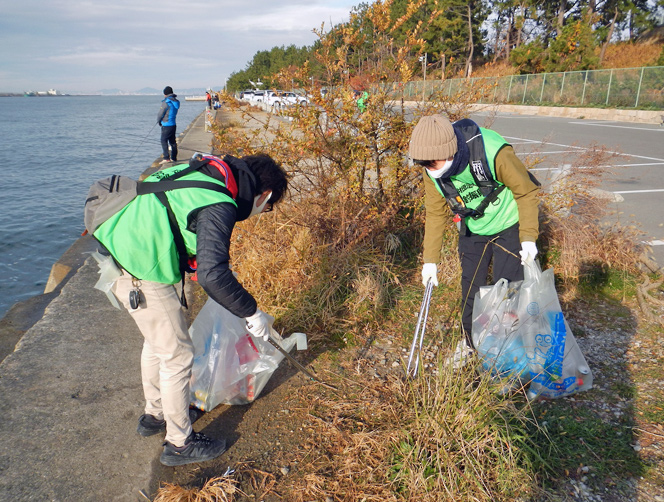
(581, 373)
(554, 359)
(200, 401)
(512, 358)
(504, 357)
(251, 387)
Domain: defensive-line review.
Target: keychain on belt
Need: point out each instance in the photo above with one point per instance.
(135, 294)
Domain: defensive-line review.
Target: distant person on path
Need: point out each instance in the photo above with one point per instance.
(494, 200)
(208, 99)
(362, 97)
(145, 245)
(166, 119)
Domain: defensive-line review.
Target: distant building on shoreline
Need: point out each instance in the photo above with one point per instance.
(50, 92)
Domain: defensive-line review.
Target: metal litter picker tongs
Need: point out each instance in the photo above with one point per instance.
(419, 331)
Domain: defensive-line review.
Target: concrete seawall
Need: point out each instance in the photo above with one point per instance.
(635, 116)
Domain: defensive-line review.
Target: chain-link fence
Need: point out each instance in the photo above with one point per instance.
(637, 88)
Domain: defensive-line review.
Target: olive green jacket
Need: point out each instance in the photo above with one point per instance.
(511, 172)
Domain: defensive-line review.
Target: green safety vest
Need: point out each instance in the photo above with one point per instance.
(362, 102)
(500, 213)
(139, 236)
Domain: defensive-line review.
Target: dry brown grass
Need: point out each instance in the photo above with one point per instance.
(578, 238)
(218, 489)
(446, 436)
(631, 55)
(618, 55)
(347, 455)
(307, 282)
(495, 69)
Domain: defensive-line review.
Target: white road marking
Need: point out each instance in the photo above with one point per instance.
(638, 165)
(608, 166)
(641, 191)
(598, 124)
(655, 243)
(583, 148)
(555, 152)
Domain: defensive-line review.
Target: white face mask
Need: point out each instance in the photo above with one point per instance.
(438, 173)
(255, 208)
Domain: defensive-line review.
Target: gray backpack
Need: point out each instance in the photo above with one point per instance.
(105, 198)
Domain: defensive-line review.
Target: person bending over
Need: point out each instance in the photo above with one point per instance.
(152, 239)
(476, 173)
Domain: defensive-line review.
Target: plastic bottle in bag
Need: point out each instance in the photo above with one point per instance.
(246, 349)
(554, 360)
(505, 357)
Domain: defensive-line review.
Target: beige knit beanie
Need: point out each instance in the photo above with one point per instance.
(433, 139)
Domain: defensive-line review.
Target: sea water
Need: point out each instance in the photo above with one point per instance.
(51, 150)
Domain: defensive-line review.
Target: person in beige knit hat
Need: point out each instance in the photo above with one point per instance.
(476, 173)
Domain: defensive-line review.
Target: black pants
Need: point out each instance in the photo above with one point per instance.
(168, 137)
(475, 252)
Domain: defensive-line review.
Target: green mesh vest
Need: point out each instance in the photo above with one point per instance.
(139, 236)
(500, 214)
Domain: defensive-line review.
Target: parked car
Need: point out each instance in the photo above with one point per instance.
(247, 95)
(280, 99)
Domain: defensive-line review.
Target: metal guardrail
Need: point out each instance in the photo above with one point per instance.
(636, 88)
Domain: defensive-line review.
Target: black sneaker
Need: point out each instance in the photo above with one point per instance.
(197, 448)
(148, 425)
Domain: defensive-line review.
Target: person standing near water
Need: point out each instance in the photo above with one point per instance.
(166, 119)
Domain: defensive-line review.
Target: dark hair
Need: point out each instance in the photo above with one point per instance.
(424, 163)
(269, 175)
(168, 90)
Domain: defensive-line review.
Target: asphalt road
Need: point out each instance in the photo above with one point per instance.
(634, 177)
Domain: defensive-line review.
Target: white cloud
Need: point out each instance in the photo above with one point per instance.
(130, 44)
(290, 18)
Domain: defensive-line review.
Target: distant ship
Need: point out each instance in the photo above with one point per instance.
(195, 98)
(50, 92)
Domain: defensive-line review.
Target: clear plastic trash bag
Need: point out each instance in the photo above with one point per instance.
(108, 275)
(230, 365)
(520, 332)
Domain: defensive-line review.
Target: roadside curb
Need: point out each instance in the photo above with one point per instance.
(636, 116)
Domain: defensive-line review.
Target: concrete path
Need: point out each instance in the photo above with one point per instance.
(70, 394)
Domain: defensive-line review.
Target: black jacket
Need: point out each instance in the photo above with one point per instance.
(214, 227)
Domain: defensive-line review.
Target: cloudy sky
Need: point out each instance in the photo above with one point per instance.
(89, 45)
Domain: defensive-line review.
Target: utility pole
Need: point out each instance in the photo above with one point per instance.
(424, 63)
(424, 71)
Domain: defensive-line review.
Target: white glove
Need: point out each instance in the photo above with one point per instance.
(528, 248)
(260, 324)
(430, 271)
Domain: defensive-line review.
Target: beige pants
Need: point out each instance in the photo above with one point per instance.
(167, 356)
